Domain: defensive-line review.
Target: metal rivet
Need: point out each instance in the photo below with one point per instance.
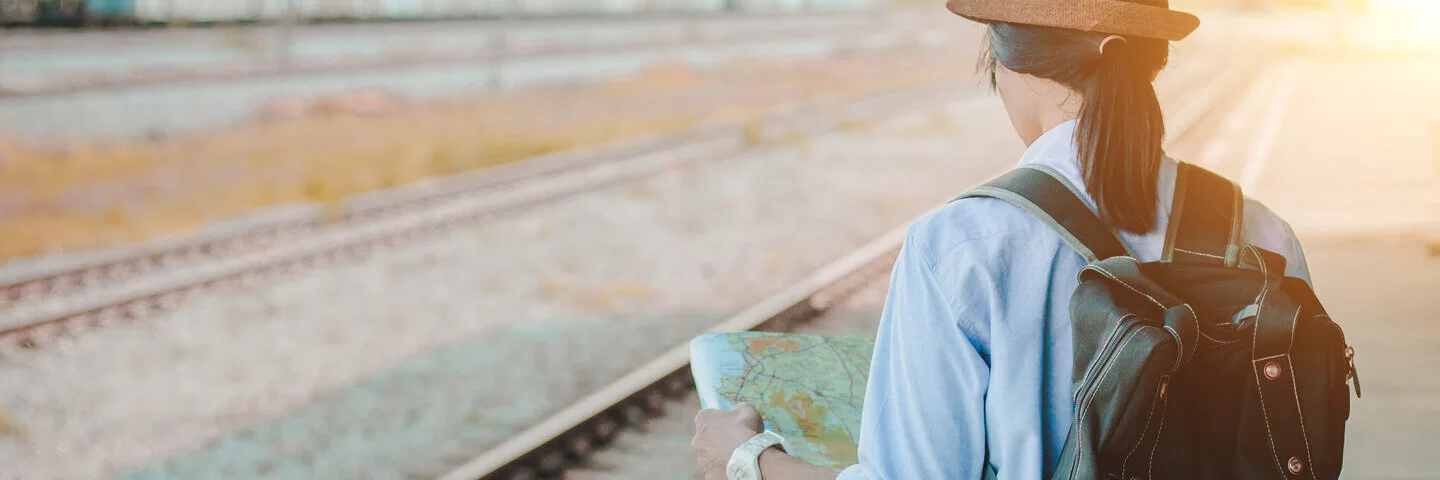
(1295, 465)
(1272, 370)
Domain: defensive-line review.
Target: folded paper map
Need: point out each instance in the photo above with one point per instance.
(809, 388)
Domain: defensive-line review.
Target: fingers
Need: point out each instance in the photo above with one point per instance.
(742, 410)
(708, 415)
(719, 432)
(743, 414)
(709, 467)
(747, 415)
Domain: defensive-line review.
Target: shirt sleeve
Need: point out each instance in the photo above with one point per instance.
(1296, 265)
(924, 412)
(1266, 230)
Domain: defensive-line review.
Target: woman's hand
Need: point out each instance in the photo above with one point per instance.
(719, 432)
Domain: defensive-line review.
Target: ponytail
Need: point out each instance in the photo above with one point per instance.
(1120, 131)
(1119, 139)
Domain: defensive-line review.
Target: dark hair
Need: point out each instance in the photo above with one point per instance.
(1120, 131)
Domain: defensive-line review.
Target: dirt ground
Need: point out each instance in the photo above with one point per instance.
(73, 197)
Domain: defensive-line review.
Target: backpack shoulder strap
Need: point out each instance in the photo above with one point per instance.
(1045, 195)
(1205, 218)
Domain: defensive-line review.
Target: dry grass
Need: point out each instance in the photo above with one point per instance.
(90, 195)
(8, 425)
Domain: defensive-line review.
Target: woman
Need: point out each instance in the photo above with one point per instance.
(973, 355)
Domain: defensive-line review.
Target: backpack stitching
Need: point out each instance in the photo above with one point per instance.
(1180, 342)
(1090, 369)
(1218, 342)
(1180, 355)
(1270, 434)
(1264, 271)
(1178, 249)
(1254, 345)
(1150, 467)
(1125, 464)
(1299, 412)
(1305, 437)
(1127, 285)
(1074, 470)
(1304, 434)
(1260, 391)
(1294, 324)
(1098, 381)
(1237, 222)
(1108, 338)
(1195, 319)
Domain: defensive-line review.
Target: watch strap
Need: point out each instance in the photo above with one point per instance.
(744, 462)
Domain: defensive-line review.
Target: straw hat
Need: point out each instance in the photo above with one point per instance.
(1140, 18)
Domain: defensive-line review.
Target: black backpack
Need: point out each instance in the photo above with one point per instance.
(1208, 364)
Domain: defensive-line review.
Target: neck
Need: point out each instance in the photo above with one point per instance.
(1047, 119)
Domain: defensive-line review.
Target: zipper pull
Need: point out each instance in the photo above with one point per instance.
(1353, 374)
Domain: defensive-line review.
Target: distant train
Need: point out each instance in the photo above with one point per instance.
(159, 12)
(24, 12)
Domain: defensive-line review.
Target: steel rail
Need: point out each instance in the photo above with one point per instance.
(90, 268)
(137, 260)
(568, 437)
(406, 215)
(548, 447)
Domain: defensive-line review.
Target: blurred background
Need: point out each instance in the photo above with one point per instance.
(345, 239)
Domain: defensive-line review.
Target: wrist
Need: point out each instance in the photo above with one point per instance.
(745, 461)
(770, 456)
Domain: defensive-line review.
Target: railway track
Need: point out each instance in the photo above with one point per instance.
(660, 447)
(104, 290)
(573, 437)
(61, 299)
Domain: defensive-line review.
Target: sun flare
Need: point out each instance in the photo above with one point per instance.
(1407, 24)
(1428, 9)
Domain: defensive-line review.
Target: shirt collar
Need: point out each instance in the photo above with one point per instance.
(1056, 149)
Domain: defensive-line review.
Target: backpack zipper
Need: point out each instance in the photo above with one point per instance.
(1127, 328)
(1102, 359)
(1352, 376)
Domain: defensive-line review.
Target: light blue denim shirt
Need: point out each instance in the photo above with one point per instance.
(974, 343)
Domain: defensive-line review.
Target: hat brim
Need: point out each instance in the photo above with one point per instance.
(1117, 17)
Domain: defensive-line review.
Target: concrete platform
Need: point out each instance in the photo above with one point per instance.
(1385, 293)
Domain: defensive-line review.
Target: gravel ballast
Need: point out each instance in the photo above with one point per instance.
(411, 361)
(490, 327)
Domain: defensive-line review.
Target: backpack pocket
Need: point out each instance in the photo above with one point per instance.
(1120, 402)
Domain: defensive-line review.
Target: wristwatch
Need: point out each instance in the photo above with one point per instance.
(744, 463)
